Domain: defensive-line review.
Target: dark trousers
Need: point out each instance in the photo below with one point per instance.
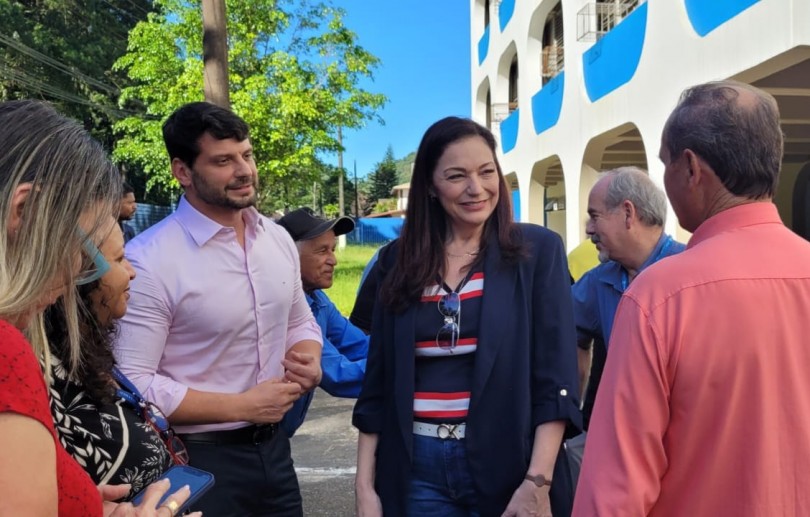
(250, 479)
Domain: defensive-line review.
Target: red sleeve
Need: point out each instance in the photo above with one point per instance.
(22, 390)
(22, 386)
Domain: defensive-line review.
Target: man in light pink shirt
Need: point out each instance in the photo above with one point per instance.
(218, 333)
(704, 406)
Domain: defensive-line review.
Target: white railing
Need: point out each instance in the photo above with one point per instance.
(500, 111)
(553, 61)
(597, 19)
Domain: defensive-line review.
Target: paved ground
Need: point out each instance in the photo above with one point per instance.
(325, 453)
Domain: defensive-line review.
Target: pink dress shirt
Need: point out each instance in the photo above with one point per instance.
(704, 406)
(205, 313)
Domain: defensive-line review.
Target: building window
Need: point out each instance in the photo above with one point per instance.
(553, 56)
(486, 14)
(513, 85)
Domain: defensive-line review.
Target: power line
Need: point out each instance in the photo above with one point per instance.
(138, 7)
(58, 65)
(35, 84)
(122, 11)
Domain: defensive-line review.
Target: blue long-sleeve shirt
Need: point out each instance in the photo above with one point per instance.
(343, 360)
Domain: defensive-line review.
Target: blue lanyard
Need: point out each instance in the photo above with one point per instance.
(658, 256)
(130, 394)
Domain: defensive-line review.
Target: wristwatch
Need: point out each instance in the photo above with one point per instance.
(539, 480)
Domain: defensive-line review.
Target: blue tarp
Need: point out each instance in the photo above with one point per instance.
(376, 231)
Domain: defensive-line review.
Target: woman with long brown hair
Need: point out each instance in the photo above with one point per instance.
(471, 375)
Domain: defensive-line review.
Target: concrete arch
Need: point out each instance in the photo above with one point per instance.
(787, 78)
(500, 97)
(535, 57)
(617, 147)
(546, 196)
(513, 185)
(483, 104)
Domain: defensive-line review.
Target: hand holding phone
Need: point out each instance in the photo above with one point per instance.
(198, 482)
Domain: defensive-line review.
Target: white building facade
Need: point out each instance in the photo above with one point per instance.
(573, 87)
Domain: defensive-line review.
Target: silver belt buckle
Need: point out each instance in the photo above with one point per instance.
(445, 431)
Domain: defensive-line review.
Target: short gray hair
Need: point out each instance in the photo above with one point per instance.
(634, 185)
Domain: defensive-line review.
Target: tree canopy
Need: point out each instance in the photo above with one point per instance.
(384, 178)
(62, 51)
(295, 77)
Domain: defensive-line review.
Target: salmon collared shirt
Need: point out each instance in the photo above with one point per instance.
(704, 406)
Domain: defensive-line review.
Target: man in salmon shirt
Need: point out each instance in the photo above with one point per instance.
(703, 409)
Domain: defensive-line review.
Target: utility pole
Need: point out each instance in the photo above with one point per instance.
(215, 52)
(356, 192)
(340, 172)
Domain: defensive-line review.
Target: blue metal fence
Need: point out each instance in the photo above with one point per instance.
(148, 215)
(370, 232)
(376, 231)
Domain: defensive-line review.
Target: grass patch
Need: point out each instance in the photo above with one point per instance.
(351, 262)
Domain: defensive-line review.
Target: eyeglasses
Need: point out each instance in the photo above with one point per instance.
(449, 307)
(158, 421)
(100, 265)
(153, 416)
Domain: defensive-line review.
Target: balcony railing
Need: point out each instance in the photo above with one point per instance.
(553, 61)
(597, 19)
(500, 110)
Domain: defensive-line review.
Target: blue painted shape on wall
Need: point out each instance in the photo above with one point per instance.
(547, 104)
(505, 11)
(612, 61)
(483, 46)
(516, 204)
(509, 131)
(707, 16)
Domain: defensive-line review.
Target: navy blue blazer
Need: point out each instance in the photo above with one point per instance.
(525, 373)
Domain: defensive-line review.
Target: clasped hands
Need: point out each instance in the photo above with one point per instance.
(268, 401)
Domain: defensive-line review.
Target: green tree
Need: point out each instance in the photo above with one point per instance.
(62, 51)
(404, 166)
(295, 73)
(384, 178)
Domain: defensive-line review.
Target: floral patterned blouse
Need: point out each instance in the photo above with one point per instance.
(112, 441)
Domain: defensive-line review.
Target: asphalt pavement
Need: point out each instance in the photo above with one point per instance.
(325, 453)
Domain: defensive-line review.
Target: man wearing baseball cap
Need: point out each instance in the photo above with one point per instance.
(345, 346)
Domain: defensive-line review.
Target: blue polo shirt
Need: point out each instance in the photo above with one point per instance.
(343, 360)
(597, 294)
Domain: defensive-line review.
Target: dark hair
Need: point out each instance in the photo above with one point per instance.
(183, 129)
(94, 371)
(740, 139)
(421, 252)
(126, 189)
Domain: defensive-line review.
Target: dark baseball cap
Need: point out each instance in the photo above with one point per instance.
(303, 225)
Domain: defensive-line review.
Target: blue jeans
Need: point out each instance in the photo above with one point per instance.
(441, 483)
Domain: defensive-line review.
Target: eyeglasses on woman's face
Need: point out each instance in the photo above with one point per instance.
(97, 265)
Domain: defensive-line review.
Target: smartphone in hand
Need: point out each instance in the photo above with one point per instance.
(199, 481)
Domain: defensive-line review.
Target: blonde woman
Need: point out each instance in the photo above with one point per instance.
(56, 187)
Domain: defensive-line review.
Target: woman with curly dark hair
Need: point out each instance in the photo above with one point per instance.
(101, 418)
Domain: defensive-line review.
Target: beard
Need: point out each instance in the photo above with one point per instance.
(216, 197)
(602, 253)
(603, 256)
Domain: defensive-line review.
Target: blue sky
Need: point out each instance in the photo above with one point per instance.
(425, 72)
